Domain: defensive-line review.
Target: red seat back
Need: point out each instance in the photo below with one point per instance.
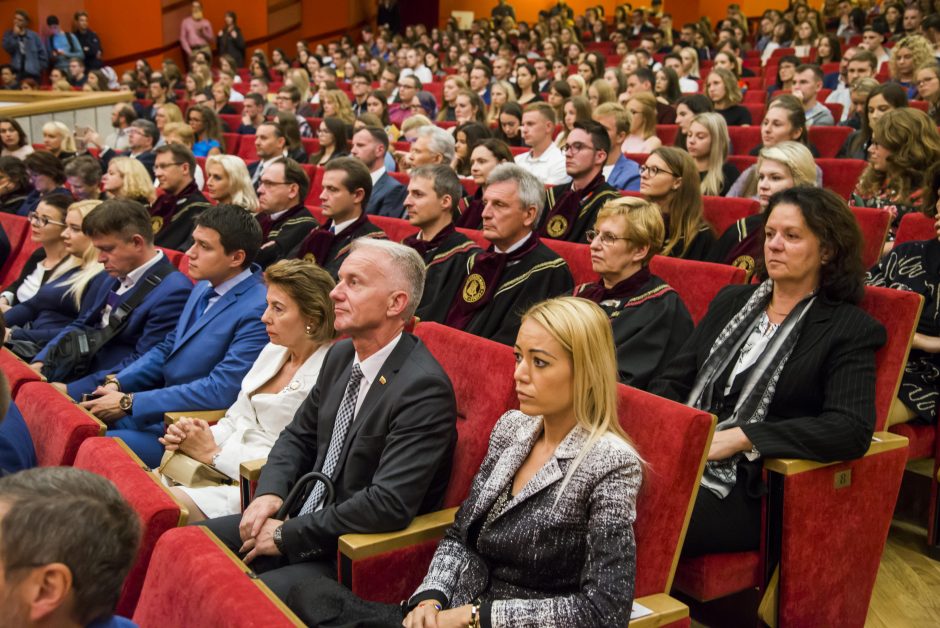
(841, 175)
(396, 229)
(757, 112)
(835, 109)
(673, 448)
(828, 139)
(477, 236)
(16, 371)
(722, 212)
(153, 503)
(193, 580)
(174, 257)
(401, 177)
(916, 226)
(742, 162)
(316, 186)
(232, 121)
(578, 258)
(639, 158)
(246, 149)
(21, 246)
(232, 143)
(873, 222)
(57, 425)
(744, 139)
(697, 283)
(755, 95)
(478, 407)
(311, 145)
(898, 311)
(667, 133)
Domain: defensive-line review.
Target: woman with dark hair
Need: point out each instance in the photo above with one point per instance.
(14, 184)
(787, 365)
(230, 40)
(509, 128)
(258, 68)
(46, 174)
(207, 128)
(666, 86)
(13, 139)
(469, 107)
(786, 71)
(559, 92)
(291, 130)
(280, 61)
(781, 38)
(828, 49)
(467, 137)
(527, 84)
(687, 107)
(485, 156)
(884, 98)
(332, 134)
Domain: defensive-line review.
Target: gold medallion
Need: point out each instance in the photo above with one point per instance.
(156, 223)
(310, 257)
(557, 226)
(747, 263)
(474, 288)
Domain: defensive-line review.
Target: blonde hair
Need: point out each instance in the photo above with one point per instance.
(643, 221)
(181, 130)
(732, 91)
(88, 263)
(299, 79)
(693, 55)
(717, 129)
(137, 184)
(343, 107)
(68, 140)
(647, 115)
(583, 329)
(243, 193)
(921, 51)
(414, 122)
(577, 78)
(686, 216)
(605, 93)
(796, 157)
(309, 286)
(171, 112)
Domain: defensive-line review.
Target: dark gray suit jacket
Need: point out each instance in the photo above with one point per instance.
(396, 459)
(387, 198)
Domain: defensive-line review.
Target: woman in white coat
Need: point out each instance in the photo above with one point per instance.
(299, 320)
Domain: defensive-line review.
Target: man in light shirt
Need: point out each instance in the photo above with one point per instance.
(806, 84)
(545, 160)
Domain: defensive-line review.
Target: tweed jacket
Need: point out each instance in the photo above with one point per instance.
(542, 562)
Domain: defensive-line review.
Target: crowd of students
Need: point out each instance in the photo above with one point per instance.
(524, 133)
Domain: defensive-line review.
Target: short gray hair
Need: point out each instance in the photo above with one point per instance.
(530, 189)
(439, 141)
(445, 180)
(406, 261)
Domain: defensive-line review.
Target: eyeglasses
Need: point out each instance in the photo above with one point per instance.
(654, 171)
(43, 221)
(405, 86)
(166, 165)
(926, 80)
(577, 147)
(607, 239)
(269, 183)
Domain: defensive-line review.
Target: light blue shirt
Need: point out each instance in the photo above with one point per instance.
(227, 285)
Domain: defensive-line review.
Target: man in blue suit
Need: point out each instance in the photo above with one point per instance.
(620, 172)
(201, 363)
(121, 231)
(370, 145)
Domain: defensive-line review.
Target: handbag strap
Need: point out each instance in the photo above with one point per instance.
(122, 312)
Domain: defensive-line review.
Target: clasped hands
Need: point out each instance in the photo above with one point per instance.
(426, 615)
(193, 437)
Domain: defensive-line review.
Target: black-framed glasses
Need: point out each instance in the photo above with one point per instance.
(607, 239)
(577, 147)
(269, 183)
(654, 171)
(43, 221)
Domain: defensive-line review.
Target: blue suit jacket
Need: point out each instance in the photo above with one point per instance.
(387, 198)
(147, 325)
(199, 366)
(625, 175)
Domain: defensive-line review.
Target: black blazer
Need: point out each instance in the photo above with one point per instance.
(396, 459)
(387, 198)
(824, 405)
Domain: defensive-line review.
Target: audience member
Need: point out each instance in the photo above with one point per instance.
(288, 101)
(284, 220)
(486, 156)
(122, 115)
(227, 182)
(198, 365)
(28, 55)
(14, 140)
(270, 145)
(707, 143)
(545, 160)
(332, 135)
(83, 176)
(370, 146)
(207, 129)
(47, 175)
(518, 270)
(58, 140)
(195, 32)
(433, 145)
(722, 89)
(253, 115)
(14, 184)
(806, 85)
(128, 179)
(175, 211)
(142, 136)
(89, 41)
(400, 470)
(642, 137)
(619, 172)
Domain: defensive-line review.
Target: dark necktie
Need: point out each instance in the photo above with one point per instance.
(344, 417)
(201, 306)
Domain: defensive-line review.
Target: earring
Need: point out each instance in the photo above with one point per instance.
(309, 329)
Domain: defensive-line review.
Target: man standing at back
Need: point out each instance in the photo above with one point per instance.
(370, 145)
(201, 363)
(433, 193)
(175, 211)
(380, 423)
(545, 160)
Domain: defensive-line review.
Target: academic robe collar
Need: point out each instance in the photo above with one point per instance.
(423, 246)
(268, 224)
(625, 289)
(319, 242)
(565, 212)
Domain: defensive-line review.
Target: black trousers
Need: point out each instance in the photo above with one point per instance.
(275, 571)
(720, 525)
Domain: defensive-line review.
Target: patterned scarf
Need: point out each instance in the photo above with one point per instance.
(563, 215)
(758, 390)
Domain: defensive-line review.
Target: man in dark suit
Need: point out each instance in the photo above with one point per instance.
(142, 136)
(201, 363)
(379, 422)
(284, 220)
(369, 145)
(120, 229)
(174, 212)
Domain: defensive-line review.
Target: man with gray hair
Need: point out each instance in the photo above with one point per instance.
(433, 145)
(380, 422)
(433, 194)
(517, 270)
(142, 136)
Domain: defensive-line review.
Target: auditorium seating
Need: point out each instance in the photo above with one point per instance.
(578, 258)
(58, 426)
(722, 212)
(21, 246)
(874, 223)
(194, 580)
(696, 282)
(828, 139)
(17, 372)
(916, 226)
(841, 175)
(151, 500)
(744, 139)
(395, 228)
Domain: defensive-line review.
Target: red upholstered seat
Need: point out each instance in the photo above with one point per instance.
(246, 148)
(21, 246)
(667, 133)
(742, 162)
(745, 138)
(721, 212)
(311, 145)
(755, 95)
(834, 108)
(232, 121)
(392, 576)
(841, 175)
(401, 177)
(316, 186)
(757, 112)
(396, 229)
(915, 226)
(57, 425)
(639, 158)
(469, 186)
(232, 143)
(153, 503)
(715, 575)
(16, 371)
(696, 282)
(193, 580)
(477, 236)
(874, 223)
(828, 139)
(174, 257)
(578, 257)
(518, 150)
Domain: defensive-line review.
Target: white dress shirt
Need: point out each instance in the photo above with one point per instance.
(549, 167)
(370, 369)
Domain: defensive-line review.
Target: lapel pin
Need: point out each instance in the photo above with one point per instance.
(382, 379)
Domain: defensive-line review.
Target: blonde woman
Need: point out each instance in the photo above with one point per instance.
(669, 179)
(910, 53)
(501, 92)
(642, 137)
(31, 324)
(649, 320)
(167, 113)
(452, 86)
(58, 140)
(577, 85)
(600, 92)
(299, 79)
(227, 181)
(707, 143)
(722, 89)
(779, 167)
(127, 178)
(690, 69)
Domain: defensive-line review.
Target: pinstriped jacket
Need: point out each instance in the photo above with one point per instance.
(542, 562)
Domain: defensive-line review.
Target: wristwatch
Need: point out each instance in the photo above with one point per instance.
(126, 403)
(278, 538)
(112, 379)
